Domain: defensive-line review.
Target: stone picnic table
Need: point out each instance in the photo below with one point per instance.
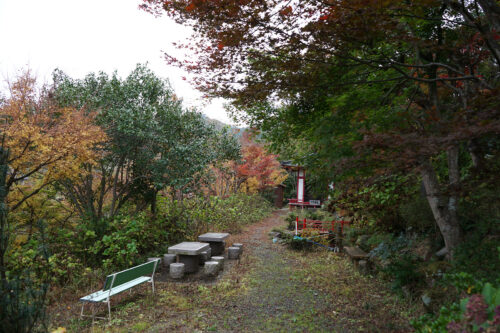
(216, 241)
(188, 253)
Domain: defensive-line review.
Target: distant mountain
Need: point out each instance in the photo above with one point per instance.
(219, 125)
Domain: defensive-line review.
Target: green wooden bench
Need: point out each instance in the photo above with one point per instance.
(120, 282)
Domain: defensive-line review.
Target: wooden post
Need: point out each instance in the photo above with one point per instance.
(278, 196)
(338, 235)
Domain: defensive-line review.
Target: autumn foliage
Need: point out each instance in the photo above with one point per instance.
(44, 142)
(376, 87)
(256, 171)
(260, 169)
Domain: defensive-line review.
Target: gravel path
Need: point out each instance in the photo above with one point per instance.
(276, 299)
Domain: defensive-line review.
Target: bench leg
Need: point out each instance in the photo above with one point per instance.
(81, 313)
(93, 313)
(109, 309)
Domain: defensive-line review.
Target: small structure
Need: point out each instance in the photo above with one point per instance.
(220, 260)
(301, 187)
(216, 241)
(188, 253)
(238, 245)
(278, 195)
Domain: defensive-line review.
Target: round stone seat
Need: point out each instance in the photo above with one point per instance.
(233, 252)
(220, 260)
(176, 270)
(211, 268)
(168, 259)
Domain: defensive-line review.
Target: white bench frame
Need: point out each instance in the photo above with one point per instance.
(103, 296)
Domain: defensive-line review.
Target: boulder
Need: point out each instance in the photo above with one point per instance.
(441, 253)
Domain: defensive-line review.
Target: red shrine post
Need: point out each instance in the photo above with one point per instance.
(300, 201)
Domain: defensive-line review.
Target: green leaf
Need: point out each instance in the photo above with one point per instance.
(488, 292)
(463, 304)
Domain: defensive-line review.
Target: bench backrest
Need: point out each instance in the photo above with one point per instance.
(146, 269)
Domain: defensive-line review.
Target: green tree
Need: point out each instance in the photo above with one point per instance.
(432, 64)
(154, 143)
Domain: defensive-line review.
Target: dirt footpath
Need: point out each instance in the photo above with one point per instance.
(276, 300)
(290, 291)
(271, 289)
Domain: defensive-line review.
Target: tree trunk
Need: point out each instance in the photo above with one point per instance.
(439, 203)
(4, 227)
(153, 202)
(454, 180)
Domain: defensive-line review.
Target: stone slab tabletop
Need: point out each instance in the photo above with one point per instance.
(213, 237)
(189, 248)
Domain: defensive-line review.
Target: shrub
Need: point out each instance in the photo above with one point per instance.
(291, 219)
(476, 313)
(130, 238)
(23, 292)
(298, 244)
(198, 214)
(417, 214)
(404, 272)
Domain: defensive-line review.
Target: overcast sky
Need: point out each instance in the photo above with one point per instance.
(89, 36)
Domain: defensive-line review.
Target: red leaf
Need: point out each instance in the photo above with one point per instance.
(286, 11)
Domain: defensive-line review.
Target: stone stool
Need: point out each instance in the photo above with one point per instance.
(233, 252)
(158, 266)
(168, 259)
(211, 268)
(205, 256)
(176, 270)
(217, 247)
(239, 245)
(220, 260)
